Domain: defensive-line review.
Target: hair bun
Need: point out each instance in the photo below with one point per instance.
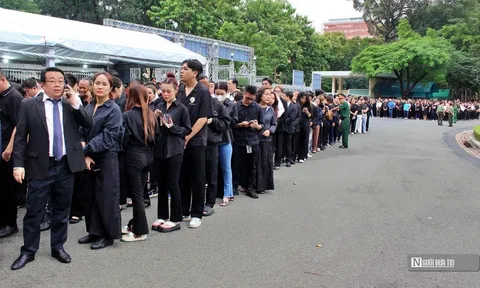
(171, 75)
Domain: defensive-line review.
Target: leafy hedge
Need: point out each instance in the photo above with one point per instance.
(476, 132)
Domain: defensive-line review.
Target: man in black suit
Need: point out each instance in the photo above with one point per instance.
(48, 150)
(291, 117)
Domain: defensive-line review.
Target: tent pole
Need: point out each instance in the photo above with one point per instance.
(50, 59)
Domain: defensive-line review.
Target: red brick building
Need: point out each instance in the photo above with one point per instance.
(351, 27)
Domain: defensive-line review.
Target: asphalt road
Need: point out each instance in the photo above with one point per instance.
(398, 190)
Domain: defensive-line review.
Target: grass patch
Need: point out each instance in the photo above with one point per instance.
(476, 132)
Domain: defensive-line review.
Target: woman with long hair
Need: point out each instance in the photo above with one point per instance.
(174, 122)
(138, 140)
(306, 115)
(264, 177)
(225, 182)
(103, 142)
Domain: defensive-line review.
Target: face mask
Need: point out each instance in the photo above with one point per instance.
(221, 98)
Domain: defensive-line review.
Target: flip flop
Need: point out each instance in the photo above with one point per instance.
(224, 203)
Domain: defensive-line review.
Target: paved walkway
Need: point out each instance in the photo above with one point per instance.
(397, 190)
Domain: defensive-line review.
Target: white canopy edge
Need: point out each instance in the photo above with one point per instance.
(78, 37)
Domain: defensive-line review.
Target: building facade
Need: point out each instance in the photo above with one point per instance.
(351, 27)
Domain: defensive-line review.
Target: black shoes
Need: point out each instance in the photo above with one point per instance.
(87, 239)
(101, 243)
(343, 147)
(148, 203)
(8, 231)
(61, 256)
(21, 261)
(252, 194)
(45, 225)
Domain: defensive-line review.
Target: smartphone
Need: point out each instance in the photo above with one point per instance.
(167, 118)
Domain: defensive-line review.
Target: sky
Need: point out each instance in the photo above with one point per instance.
(320, 11)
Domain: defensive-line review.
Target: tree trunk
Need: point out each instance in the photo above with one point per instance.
(399, 75)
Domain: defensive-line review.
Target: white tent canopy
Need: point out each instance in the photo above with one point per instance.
(32, 33)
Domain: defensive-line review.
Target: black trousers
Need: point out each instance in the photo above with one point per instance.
(102, 212)
(287, 141)
(303, 143)
(138, 161)
(368, 120)
(123, 180)
(244, 166)
(211, 169)
(58, 184)
(192, 181)
(168, 175)
(295, 145)
(9, 189)
(279, 147)
(78, 190)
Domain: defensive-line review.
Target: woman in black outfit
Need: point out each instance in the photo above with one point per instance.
(264, 177)
(174, 121)
(102, 212)
(138, 140)
(306, 115)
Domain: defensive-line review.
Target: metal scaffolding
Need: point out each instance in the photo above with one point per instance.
(212, 52)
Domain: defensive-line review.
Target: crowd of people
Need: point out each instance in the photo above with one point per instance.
(84, 150)
(439, 110)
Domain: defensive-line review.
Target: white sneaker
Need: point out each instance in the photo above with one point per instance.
(126, 230)
(195, 222)
(301, 161)
(318, 150)
(186, 218)
(310, 155)
(130, 237)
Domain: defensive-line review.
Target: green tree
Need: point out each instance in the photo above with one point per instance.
(383, 16)
(412, 59)
(20, 5)
(442, 12)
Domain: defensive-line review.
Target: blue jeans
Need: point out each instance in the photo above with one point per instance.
(390, 112)
(225, 156)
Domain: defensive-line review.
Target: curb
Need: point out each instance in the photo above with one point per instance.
(472, 140)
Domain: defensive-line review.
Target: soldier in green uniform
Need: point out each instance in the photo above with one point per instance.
(344, 111)
(455, 112)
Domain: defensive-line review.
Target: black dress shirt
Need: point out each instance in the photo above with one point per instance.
(227, 136)
(134, 135)
(220, 123)
(107, 131)
(246, 135)
(270, 120)
(199, 105)
(170, 142)
(10, 103)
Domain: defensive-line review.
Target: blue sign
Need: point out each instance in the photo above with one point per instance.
(316, 81)
(298, 78)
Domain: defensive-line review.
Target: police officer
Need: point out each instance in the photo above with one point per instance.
(344, 110)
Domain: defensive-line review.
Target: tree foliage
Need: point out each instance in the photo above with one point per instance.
(20, 5)
(413, 59)
(383, 16)
(95, 11)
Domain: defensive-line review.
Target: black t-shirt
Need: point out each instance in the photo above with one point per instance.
(199, 105)
(353, 108)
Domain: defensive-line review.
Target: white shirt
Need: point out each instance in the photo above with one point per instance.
(49, 117)
(280, 107)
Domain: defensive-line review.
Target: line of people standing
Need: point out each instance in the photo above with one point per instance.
(95, 144)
